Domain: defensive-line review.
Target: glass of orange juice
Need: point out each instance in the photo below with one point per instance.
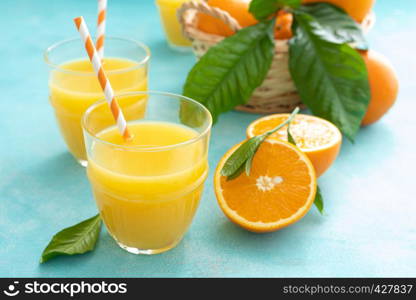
(148, 188)
(173, 31)
(73, 85)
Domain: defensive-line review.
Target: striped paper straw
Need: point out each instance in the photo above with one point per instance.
(102, 78)
(99, 43)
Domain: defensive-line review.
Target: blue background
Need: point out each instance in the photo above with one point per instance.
(369, 229)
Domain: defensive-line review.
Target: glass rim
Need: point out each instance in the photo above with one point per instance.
(48, 61)
(148, 148)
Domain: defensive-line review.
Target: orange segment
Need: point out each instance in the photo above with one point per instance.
(319, 139)
(279, 191)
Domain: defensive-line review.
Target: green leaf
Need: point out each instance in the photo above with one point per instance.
(249, 163)
(242, 158)
(263, 9)
(331, 78)
(338, 25)
(319, 201)
(238, 159)
(230, 71)
(237, 173)
(290, 138)
(76, 239)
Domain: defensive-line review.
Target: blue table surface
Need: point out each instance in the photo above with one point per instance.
(369, 229)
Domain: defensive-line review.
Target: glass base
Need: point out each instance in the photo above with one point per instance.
(147, 251)
(82, 162)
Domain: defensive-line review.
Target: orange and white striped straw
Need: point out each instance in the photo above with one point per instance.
(99, 43)
(102, 78)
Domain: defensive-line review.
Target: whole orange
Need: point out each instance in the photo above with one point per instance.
(357, 9)
(283, 27)
(384, 86)
(238, 9)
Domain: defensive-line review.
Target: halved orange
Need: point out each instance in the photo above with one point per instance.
(319, 139)
(279, 191)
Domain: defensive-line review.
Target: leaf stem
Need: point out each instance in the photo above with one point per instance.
(288, 120)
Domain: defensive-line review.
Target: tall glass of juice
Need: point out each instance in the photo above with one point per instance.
(73, 85)
(170, 22)
(148, 188)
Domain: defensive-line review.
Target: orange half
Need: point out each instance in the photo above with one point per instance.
(279, 191)
(319, 139)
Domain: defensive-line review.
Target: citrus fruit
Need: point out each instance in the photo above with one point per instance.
(357, 9)
(384, 86)
(319, 139)
(238, 9)
(283, 27)
(279, 191)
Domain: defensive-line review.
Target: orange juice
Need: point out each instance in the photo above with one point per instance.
(74, 87)
(173, 31)
(147, 193)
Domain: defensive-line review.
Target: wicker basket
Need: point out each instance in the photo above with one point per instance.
(277, 93)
